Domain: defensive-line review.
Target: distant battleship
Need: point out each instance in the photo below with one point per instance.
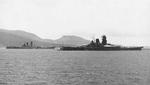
(97, 46)
(28, 45)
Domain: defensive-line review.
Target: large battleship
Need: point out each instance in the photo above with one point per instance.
(28, 45)
(103, 46)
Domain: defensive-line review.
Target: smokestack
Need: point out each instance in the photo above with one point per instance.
(31, 43)
(97, 42)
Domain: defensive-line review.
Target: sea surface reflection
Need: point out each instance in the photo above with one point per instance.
(50, 67)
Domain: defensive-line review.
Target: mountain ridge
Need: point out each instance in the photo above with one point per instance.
(72, 40)
(18, 37)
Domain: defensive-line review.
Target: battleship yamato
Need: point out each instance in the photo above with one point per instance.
(97, 46)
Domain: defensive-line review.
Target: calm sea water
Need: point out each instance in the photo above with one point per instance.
(50, 67)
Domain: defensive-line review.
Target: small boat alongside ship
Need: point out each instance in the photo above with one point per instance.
(97, 46)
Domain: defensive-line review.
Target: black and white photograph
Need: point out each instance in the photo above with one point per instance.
(74, 42)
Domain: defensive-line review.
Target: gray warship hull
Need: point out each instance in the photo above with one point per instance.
(11, 47)
(99, 48)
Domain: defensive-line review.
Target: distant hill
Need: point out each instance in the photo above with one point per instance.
(25, 34)
(72, 40)
(20, 33)
(17, 38)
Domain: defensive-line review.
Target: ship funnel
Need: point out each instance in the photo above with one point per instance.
(97, 41)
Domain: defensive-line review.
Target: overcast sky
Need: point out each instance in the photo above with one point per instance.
(123, 21)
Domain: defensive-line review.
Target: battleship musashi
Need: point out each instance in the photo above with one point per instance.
(103, 46)
(28, 45)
